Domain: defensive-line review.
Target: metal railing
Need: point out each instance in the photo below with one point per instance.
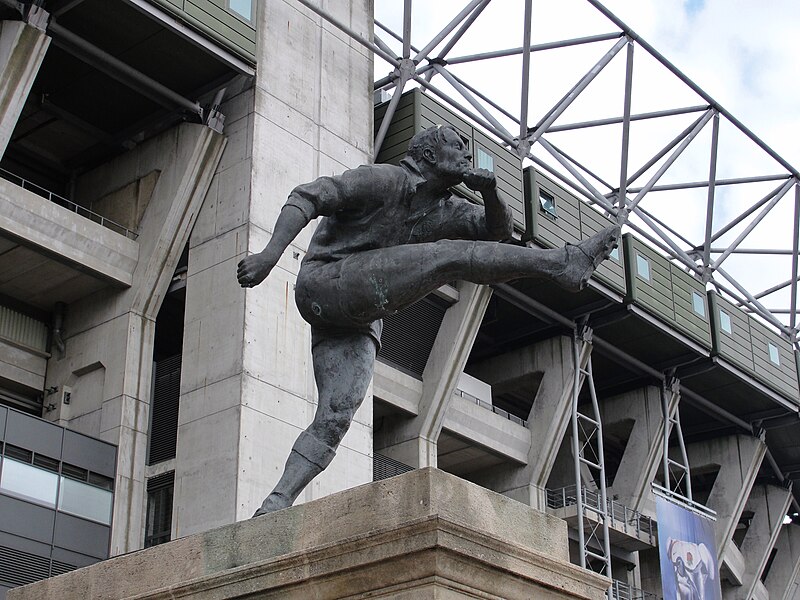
(491, 407)
(621, 518)
(68, 204)
(623, 591)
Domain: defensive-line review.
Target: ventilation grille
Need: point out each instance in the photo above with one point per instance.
(22, 329)
(384, 467)
(20, 568)
(409, 335)
(59, 568)
(164, 423)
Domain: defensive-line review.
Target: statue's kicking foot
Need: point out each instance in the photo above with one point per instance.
(583, 258)
(275, 501)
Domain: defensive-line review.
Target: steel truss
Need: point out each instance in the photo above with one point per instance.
(530, 136)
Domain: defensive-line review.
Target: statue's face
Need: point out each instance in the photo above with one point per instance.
(453, 158)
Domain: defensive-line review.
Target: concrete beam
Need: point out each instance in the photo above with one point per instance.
(22, 49)
(552, 362)
(65, 236)
(769, 504)
(643, 452)
(781, 581)
(739, 458)
(413, 442)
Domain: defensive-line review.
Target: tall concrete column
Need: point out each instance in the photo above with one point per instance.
(551, 362)
(781, 581)
(414, 442)
(110, 335)
(769, 504)
(247, 387)
(643, 452)
(738, 458)
(22, 49)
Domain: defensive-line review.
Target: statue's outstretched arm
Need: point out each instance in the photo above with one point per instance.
(499, 221)
(253, 269)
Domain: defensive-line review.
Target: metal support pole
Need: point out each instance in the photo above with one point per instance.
(390, 110)
(626, 127)
(759, 308)
(719, 182)
(462, 30)
(526, 74)
(795, 243)
(407, 29)
(712, 176)
(638, 117)
(535, 48)
(423, 54)
(746, 214)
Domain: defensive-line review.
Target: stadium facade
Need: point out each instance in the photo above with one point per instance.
(148, 145)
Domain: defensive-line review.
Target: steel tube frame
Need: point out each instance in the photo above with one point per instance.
(583, 168)
(626, 127)
(726, 228)
(591, 39)
(795, 249)
(720, 182)
(462, 30)
(598, 197)
(437, 39)
(712, 176)
(762, 310)
(638, 117)
(407, 29)
(526, 72)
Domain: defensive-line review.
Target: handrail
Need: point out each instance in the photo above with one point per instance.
(489, 406)
(68, 204)
(623, 591)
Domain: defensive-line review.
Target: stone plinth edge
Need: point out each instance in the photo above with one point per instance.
(424, 534)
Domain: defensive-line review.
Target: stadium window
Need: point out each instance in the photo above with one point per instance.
(725, 322)
(774, 355)
(484, 160)
(547, 204)
(698, 304)
(615, 254)
(642, 267)
(243, 8)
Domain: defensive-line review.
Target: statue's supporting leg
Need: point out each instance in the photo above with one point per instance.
(343, 366)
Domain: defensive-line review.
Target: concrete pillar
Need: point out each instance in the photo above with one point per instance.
(110, 335)
(643, 452)
(769, 504)
(550, 362)
(22, 49)
(781, 581)
(247, 387)
(414, 442)
(739, 458)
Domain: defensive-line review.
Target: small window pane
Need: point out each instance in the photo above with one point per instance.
(698, 304)
(31, 483)
(643, 267)
(243, 8)
(485, 160)
(774, 356)
(614, 254)
(84, 500)
(547, 204)
(725, 322)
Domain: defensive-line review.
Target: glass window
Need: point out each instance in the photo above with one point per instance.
(725, 322)
(698, 304)
(643, 267)
(158, 526)
(29, 482)
(614, 254)
(243, 8)
(84, 500)
(774, 355)
(547, 204)
(485, 160)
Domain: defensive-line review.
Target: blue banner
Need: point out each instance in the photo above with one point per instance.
(688, 552)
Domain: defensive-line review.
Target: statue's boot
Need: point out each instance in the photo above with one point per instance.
(308, 458)
(583, 258)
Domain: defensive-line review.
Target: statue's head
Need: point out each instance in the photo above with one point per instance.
(441, 152)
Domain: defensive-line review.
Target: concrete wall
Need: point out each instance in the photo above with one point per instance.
(247, 386)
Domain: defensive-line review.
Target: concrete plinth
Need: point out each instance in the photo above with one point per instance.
(425, 534)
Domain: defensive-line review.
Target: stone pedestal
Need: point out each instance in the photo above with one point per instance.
(424, 534)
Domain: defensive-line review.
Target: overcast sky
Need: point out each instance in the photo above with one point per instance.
(744, 53)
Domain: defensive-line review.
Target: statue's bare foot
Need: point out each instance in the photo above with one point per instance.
(583, 258)
(275, 501)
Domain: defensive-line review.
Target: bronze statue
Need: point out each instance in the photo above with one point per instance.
(389, 236)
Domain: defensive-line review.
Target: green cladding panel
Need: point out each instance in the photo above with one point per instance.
(691, 306)
(649, 277)
(732, 342)
(773, 359)
(417, 111)
(221, 20)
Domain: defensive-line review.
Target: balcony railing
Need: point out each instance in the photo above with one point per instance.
(621, 518)
(68, 204)
(491, 407)
(623, 591)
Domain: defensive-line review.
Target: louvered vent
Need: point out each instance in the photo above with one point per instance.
(20, 568)
(22, 329)
(384, 467)
(59, 568)
(408, 336)
(164, 420)
(159, 509)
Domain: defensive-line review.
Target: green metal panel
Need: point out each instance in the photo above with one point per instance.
(687, 320)
(736, 346)
(212, 18)
(553, 231)
(654, 295)
(508, 172)
(782, 377)
(611, 272)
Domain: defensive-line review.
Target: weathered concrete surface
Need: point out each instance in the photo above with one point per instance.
(424, 534)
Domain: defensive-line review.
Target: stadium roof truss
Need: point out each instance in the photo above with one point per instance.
(710, 224)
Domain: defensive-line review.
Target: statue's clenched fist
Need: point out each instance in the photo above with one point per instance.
(480, 180)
